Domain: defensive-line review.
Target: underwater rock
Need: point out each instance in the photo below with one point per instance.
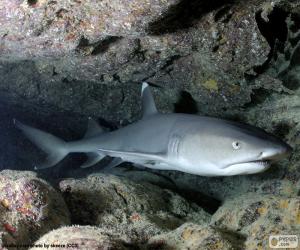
(29, 208)
(42, 28)
(195, 237)
(259, 216)
(136, 210)
(201, 47)
(80, 237)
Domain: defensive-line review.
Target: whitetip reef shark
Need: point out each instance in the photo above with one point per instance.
(188, 143)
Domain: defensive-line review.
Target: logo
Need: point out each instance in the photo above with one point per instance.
(283, 241)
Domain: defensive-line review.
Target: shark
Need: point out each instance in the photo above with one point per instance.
(194, 144)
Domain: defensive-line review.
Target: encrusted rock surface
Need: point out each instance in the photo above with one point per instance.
(55, 28)
(135, 210)
(80, 237)
(195, 237)
(207, 58)
(29, 207)
(258, 217)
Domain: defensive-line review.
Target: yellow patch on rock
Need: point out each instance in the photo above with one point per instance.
(190, 234)
(284, 204)
(5, 203)
(262, 210)
(298, 217)
(234, 89)
(186, 234)
(211, 85)
(217, 246)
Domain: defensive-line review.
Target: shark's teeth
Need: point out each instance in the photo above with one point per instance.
(264, 163)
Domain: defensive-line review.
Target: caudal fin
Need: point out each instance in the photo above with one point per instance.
(53, 146)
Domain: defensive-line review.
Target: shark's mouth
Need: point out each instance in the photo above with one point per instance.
(250, 167)
(258, 163)
(262, 163)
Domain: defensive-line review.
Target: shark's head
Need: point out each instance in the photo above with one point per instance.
(251, 150)
(229, 148)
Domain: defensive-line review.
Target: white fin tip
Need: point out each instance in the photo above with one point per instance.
(145, 85)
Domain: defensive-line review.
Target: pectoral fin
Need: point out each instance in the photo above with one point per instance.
(114, 163)
(135, 155)
(93, 158)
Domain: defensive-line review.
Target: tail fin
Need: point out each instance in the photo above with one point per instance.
(53, 146)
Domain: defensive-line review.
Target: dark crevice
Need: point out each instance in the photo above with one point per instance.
(295, 39)
(215, 48)
(274, 30)
(259, 69)
(294, 28)
(281, 129)
(295, 57)
(104, 45)
(227, 18)
(83, 42)
(186, 104)
(75, 202)
(207, 203)
(38, 88)
(288, 65)
(184, 15)
(295, 17)
(257, 96)
(60, 13)
(223, 14)
(145, 79)
(290, 77)
(170, 61)
(251, 215)
(32, 2)
(87, 48)
(120, 195)
(116, 78)
(54, 73)
(278, 47)
(138, 52)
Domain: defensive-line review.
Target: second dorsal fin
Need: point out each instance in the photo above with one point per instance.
(148, 104)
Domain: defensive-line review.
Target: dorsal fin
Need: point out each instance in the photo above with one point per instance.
(93, 129)
(148, 104)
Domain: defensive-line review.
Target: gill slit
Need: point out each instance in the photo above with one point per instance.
(173, 146)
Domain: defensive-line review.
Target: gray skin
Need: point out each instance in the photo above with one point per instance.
(189, 143)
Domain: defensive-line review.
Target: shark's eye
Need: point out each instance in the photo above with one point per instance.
(236, 145)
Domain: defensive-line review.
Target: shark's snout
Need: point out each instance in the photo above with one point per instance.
(276, 153)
